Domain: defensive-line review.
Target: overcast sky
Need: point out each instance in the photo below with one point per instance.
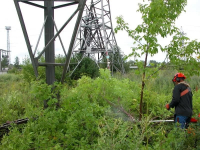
(189, 21)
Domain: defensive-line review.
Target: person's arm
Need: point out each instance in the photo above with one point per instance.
(175, 97)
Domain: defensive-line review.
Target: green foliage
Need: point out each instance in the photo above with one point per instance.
(127, 65)
(27, 70)
(14, 71)
(59, 69)
(4, 62)
(103, 112)
(183, 56)
(10, 78)
(16, 63)
(16, 100)
(87, 67)
(159, 18)
(94, 114)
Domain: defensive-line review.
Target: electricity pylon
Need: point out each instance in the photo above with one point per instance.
(95, 37)
(92, 35)
(49, 27)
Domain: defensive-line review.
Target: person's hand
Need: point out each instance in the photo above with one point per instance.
(167, 106)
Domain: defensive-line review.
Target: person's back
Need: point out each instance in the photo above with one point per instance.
(182, 104)
(181, 100)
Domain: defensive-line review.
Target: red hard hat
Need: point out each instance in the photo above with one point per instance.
(178, 75)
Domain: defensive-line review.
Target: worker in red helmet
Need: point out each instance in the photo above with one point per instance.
(181, 100)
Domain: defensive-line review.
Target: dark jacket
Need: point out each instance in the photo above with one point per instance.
(182, 104)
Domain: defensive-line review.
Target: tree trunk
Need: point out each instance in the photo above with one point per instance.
(143, 84)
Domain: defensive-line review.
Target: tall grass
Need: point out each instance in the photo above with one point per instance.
(16, 100)
(85, 120)
(162, 82)
(9, 78)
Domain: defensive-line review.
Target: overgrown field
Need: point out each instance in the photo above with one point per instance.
(100, 114)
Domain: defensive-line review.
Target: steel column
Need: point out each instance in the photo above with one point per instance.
(49, 34)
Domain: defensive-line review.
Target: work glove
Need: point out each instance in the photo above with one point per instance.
(167, 106)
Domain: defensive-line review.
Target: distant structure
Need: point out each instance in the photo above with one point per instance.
(8, 28)
(3, 53)
(95, 38)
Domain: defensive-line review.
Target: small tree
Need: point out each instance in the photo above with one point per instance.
(4, 62)
(16, 63)
(159, 18)
(86, 67)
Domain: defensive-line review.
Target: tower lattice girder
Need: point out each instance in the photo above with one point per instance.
(95, 37)
(92, 35)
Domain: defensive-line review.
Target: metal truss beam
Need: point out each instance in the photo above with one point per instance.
(48, 29)
(96, 36)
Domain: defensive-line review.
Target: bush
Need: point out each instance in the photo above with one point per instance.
(100, 113)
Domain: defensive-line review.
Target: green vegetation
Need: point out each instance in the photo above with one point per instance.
(102, 112)
(87, 67)
(158, 21)
(99, 113)
(4, 62)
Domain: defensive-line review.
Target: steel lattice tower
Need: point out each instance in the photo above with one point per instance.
(95, 37)
(92, 36)
(49, 28)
